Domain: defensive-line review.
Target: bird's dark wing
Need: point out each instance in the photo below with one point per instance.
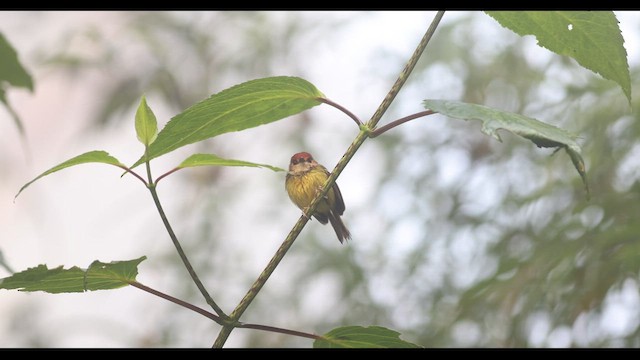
(338, 207)
(321, 217)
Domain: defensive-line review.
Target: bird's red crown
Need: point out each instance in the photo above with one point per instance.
(301, 156)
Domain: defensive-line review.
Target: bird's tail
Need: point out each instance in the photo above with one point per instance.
(339, 227)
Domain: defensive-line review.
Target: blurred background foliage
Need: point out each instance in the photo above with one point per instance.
(462, 240)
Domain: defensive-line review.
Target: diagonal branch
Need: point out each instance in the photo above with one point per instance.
(302, 221)
(408, 68)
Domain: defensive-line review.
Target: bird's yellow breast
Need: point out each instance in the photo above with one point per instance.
(303, 188)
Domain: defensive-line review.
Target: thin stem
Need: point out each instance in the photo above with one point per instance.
(183, 255)
(381, 130)
(341, 108)
(167, 173)
(302, 221)
(134, 174)
(177, 301)
(281, 331)
(217, 319)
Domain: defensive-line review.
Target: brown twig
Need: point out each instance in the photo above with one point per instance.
(341, 108)
(217, 319)
(391, 125)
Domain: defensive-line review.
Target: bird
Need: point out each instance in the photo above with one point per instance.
(303, 181)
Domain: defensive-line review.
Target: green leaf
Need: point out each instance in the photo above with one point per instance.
(99, 276)
(240, 107)
(146, 124)
(11, 70)
(88, 157)
(214, 160)
(540, 133)
(592, 38)
(113, 275)
(362, 337)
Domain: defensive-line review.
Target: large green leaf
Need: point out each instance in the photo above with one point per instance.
(99, 276)
(214, 160)
(240, 107)
(540, 133)
(11, 70)
(96, 156)
(146, 124)
(592, 38)
(362, 337)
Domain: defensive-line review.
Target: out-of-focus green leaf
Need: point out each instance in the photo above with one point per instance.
(146, 123)
(214, 160)
(240, 107)
(592, 38)
(362, 337)
(99, 276)
(540, 133)
(13, 73)
(11, 70)
(96, 156)
(4, 264)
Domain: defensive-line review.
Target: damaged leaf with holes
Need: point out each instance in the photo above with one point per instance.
(540, 133)
(592, 38)
(99, 276)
